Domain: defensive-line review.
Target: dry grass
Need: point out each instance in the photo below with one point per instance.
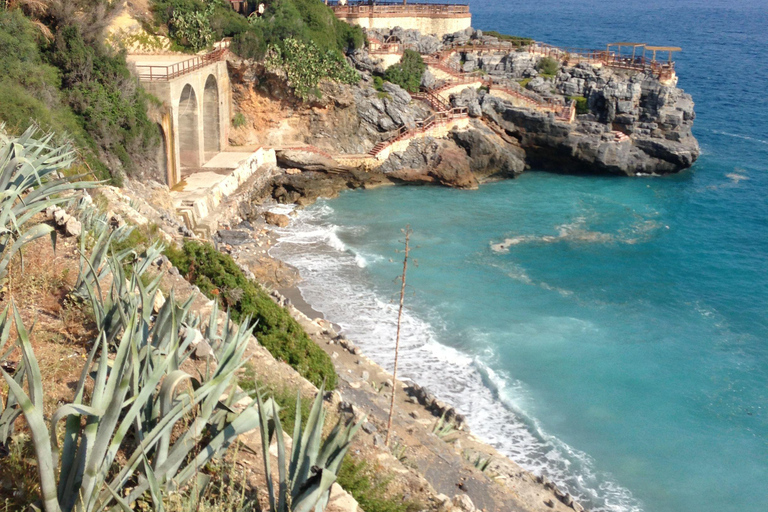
(59, 332)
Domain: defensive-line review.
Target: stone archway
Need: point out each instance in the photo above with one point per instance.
(189, 143)
(211, 125)
(162, 157)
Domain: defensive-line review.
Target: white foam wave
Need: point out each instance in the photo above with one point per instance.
(743, 137)
(576, 232)
(495, 405)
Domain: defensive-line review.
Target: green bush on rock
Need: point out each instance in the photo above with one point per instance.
(408, 72)
(305, 65)
(547, 67)
(515, 40)
(582, 106)
(219, 277)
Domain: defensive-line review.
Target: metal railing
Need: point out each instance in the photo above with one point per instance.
(155, 73)
(660, 70)
(385, 8)
(422, 126)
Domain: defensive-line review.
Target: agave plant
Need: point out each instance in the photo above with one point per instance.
(30, 183)
(305, 484)
(442, 428)
(135, 397)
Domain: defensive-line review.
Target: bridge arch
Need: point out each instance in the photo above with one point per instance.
(189, 143)
(163, 167)
(211, 124)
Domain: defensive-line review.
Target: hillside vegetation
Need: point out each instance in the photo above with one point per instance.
(302, 38)
(56, 71)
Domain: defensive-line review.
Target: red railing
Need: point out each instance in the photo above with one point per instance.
(662, 71)
(389, 8)
(151, 73)
(422, 126)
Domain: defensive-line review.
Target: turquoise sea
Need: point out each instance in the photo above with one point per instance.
(620, 345)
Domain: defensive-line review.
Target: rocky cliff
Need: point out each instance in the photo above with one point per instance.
(629, 122)
(656, 117)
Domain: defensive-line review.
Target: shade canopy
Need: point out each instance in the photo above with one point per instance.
(663, 48)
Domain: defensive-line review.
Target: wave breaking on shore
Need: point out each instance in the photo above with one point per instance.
(334, 282)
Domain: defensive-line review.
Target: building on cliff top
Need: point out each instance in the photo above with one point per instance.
(428, 18)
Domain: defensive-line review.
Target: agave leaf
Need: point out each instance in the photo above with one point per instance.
(65, 411)
(313, 490)
(167, 391)
(124, 506)
(282, 499)
(297, 452)
(32, 234)
(310, 441)
(36, 423)
(265, 452)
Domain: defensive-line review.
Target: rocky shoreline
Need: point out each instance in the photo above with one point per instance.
(460, 486)
(439, 472)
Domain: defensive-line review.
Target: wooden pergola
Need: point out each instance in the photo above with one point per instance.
(669, 49)
(621, 45)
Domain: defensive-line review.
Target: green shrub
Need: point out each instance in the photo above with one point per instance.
(547, 67)
(192, 29)
(109, 101)
(305, 64)
(524, 82)
(369, 488)
(194, 25)
(30, 91)
(378, 83)
(239, 120)
(408, 72)
(582, 107)
(515, 40)
(218, 276)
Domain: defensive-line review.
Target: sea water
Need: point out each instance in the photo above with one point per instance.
(617, 342)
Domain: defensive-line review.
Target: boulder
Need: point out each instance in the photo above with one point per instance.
(158, 302)
(452, 168)
(73, 227)
(463, 503)
(489, 154)
(306, 160)
(277, 219)
(61, 217)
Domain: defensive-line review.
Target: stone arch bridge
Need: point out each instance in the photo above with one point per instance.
(194, 119)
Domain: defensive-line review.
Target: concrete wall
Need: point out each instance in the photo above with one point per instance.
(438, 26)
(456, 89)
(205, 191)
(388, 59)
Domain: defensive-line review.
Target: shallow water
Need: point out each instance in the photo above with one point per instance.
(618, 342)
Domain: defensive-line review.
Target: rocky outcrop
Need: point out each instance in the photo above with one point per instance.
(429, 160)
(635, 125)
(491, 156)
(307, 161)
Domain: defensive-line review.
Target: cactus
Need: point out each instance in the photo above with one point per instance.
(305, 484)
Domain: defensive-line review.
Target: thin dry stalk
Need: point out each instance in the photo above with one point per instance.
(397, 337)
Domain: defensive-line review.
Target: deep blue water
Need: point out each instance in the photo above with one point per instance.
(621, 344)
